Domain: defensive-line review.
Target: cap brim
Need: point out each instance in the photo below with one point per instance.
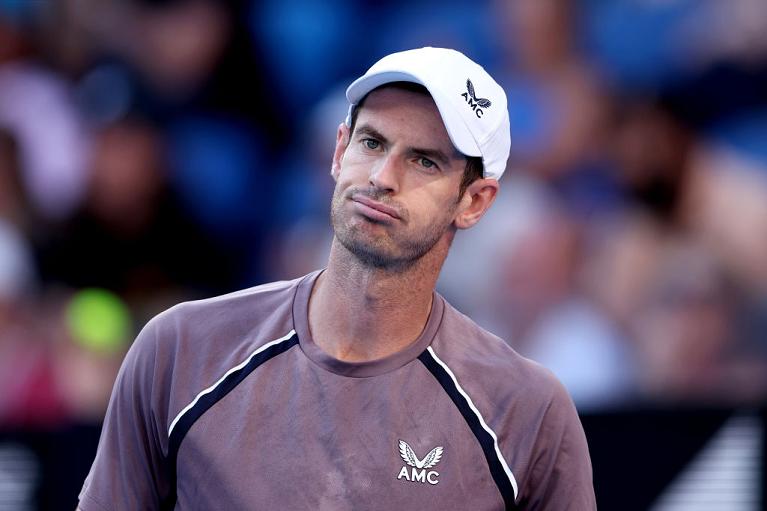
(454, 124)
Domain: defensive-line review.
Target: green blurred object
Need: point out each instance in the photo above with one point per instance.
(99, 320)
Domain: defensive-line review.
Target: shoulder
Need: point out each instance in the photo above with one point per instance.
(488, 363)
(186, 348)
(246, 316)
(251, 304)
(523, 403)
(506, 388)
(222, 328)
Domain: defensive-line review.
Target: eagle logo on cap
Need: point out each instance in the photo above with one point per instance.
(481, 102)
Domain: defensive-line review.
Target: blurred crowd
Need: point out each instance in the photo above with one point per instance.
(154, 151)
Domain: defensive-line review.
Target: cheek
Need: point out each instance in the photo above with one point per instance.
(356, 156)
(353, 168)
(432, 208)
(344, 181)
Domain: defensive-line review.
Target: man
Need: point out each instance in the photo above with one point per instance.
(355, 387)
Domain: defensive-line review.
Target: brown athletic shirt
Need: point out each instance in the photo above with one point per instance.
(228, 404)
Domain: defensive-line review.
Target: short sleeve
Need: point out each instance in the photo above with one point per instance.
(129, 471)
(561, 475)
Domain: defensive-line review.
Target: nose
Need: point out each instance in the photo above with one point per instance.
(385, 174)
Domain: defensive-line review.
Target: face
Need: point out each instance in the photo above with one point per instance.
(397, 180)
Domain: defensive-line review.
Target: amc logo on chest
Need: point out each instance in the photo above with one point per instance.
(419, 469)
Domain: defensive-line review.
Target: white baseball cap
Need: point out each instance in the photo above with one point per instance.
(472, 105)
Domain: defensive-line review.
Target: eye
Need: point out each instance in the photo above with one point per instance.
(371, 143)
(427, 163)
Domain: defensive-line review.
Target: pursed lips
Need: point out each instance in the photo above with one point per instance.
(374, 204)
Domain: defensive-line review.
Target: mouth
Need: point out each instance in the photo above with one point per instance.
(373, 209)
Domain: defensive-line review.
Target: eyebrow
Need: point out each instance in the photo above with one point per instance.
(433, 154)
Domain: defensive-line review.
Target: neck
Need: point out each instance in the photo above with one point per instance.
(359, 313)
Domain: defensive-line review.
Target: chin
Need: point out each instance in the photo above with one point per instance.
(369, 253)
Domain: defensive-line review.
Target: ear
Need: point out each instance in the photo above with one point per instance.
(476, 200)
(342, 142)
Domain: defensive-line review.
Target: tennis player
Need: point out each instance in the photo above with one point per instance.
(356, 386)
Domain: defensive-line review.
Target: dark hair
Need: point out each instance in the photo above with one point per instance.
(474, 168)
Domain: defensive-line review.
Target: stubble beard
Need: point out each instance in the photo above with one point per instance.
(388, 251)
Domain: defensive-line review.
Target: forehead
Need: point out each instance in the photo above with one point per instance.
(411, 115)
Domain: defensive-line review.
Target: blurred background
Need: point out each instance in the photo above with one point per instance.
(155, 151)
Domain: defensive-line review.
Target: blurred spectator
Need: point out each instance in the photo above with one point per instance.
(30, 397)
(686, 337)
(552, 321)
(725, 205)
(180, 43)
(558, 111)
(620, 260)
(649, 149)
(130, 236)
(14, 206)
(17, 272)
(36, 106)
